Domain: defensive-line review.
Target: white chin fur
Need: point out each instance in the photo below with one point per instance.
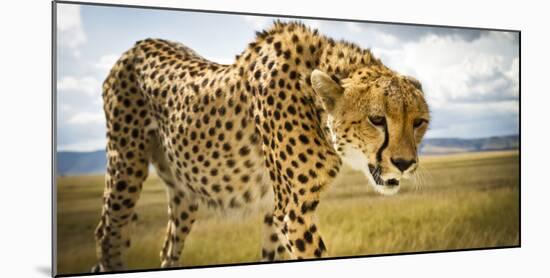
(386, 190)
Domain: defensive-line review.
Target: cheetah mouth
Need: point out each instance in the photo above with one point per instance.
(376, 172)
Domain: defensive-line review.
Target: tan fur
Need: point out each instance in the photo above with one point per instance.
(225, 135)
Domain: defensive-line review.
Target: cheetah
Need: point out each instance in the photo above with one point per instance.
(280, 121)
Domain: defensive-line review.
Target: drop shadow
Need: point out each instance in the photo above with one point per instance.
(44, 270)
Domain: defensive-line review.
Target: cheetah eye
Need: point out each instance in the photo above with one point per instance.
(419, 122)
(378, 121)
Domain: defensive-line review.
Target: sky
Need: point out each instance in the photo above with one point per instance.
(470, 77)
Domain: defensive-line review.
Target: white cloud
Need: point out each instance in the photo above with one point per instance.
(259, 22)
(68, 17)
(87, 85)
(367, 35)
(354, 27)
(388, 39)
(513, 74)
(221, 60)
(106, 62)
(86, 118)
(65, 107)
(452, 69)
(70, 31)
(84, 145)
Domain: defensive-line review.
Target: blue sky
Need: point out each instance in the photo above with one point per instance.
(470, 77)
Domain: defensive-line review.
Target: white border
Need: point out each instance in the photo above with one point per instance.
(26, 138)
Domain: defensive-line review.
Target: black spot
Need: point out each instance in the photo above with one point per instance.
(303, 139)
(289, 173)
(271, 255)
(322, 245)
(121, 185)
(285, 67)
(226, 147)
(244, 151)
(288, 126)
(308, 237)
(313, 229)
(268, 219)
(116, 207)
(128, 203)
(257, 74)
(128, 118)
(292, 215)
(270, 100)
(293, 75)
(318, 253)
(300, 245)
(214, 172)
(228, 125)
(291, 110)
(302, 178)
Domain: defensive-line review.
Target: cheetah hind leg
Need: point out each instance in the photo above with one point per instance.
(182, 210)
(121, 193)
(127, 168)
(181, 216)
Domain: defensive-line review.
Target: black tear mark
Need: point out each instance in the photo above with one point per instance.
(384, 145)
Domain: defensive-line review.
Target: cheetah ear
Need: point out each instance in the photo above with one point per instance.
(329, 90)
(415, 82)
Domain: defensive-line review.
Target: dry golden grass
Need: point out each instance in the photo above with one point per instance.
(458, 202)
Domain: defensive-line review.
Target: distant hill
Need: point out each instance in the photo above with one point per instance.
(81, 163)
(456, 145)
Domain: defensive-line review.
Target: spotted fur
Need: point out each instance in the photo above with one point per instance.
(279, 120)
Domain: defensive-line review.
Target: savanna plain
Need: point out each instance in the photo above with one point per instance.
(458, 201)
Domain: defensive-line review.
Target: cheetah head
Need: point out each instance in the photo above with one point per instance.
(377, 119)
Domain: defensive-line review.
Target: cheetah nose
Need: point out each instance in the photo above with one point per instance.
(392, 182)
(402, 164)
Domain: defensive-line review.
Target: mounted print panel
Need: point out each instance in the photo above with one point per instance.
(190, 138)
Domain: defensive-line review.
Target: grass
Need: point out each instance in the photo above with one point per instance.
(462, 201)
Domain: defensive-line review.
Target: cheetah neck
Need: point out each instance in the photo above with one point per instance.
(340, 59)
(336, 58)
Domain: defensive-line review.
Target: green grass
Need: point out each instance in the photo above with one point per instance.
(462, 201)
